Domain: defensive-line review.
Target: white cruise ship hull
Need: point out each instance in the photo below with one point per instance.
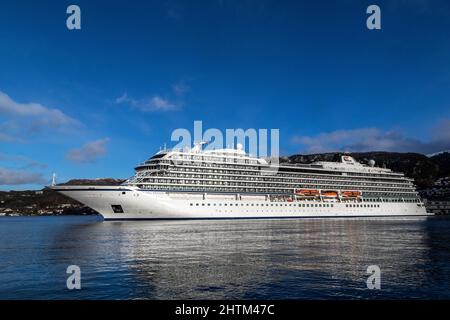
(132, 203)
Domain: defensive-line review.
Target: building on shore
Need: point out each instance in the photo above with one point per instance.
(438, 207)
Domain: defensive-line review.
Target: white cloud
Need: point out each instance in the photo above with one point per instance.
(374, 139)
(25, 118)
(89, 152)
(158, 103)
(47, 116)
(154, 104)
(16, 177)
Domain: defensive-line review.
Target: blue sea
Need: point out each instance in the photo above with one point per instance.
(236, 259)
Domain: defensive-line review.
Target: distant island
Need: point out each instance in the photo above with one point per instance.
(430, 173)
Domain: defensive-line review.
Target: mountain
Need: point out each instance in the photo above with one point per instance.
(442, 160)
(424, 170)
(437, 153)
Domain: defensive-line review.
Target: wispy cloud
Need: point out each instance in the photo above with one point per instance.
(154, 104)
(89, 152)
(18, 177)
(175, 9)
(126, 99)
(374, 139)
(157, 102)
(181, 88)
(6, 137)
(23, 161)
(31, 117)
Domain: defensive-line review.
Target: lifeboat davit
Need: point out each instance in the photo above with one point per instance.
(308, 192)
(351, 194)
(329, 194)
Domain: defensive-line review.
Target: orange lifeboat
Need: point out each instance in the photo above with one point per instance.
(330, 194)
(308, 192)
(351, 194)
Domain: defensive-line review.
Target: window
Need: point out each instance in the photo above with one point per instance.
(117, 208)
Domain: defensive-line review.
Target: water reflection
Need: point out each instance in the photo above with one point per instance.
(270, 258)
(266, 259)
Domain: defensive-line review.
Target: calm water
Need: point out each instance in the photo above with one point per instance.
(238, 259)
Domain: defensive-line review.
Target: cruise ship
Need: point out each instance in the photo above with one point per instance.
(230, 184)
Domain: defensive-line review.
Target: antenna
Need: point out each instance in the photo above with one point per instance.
(54, 179)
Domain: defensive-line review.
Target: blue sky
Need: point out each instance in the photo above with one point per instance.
(94, 102)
